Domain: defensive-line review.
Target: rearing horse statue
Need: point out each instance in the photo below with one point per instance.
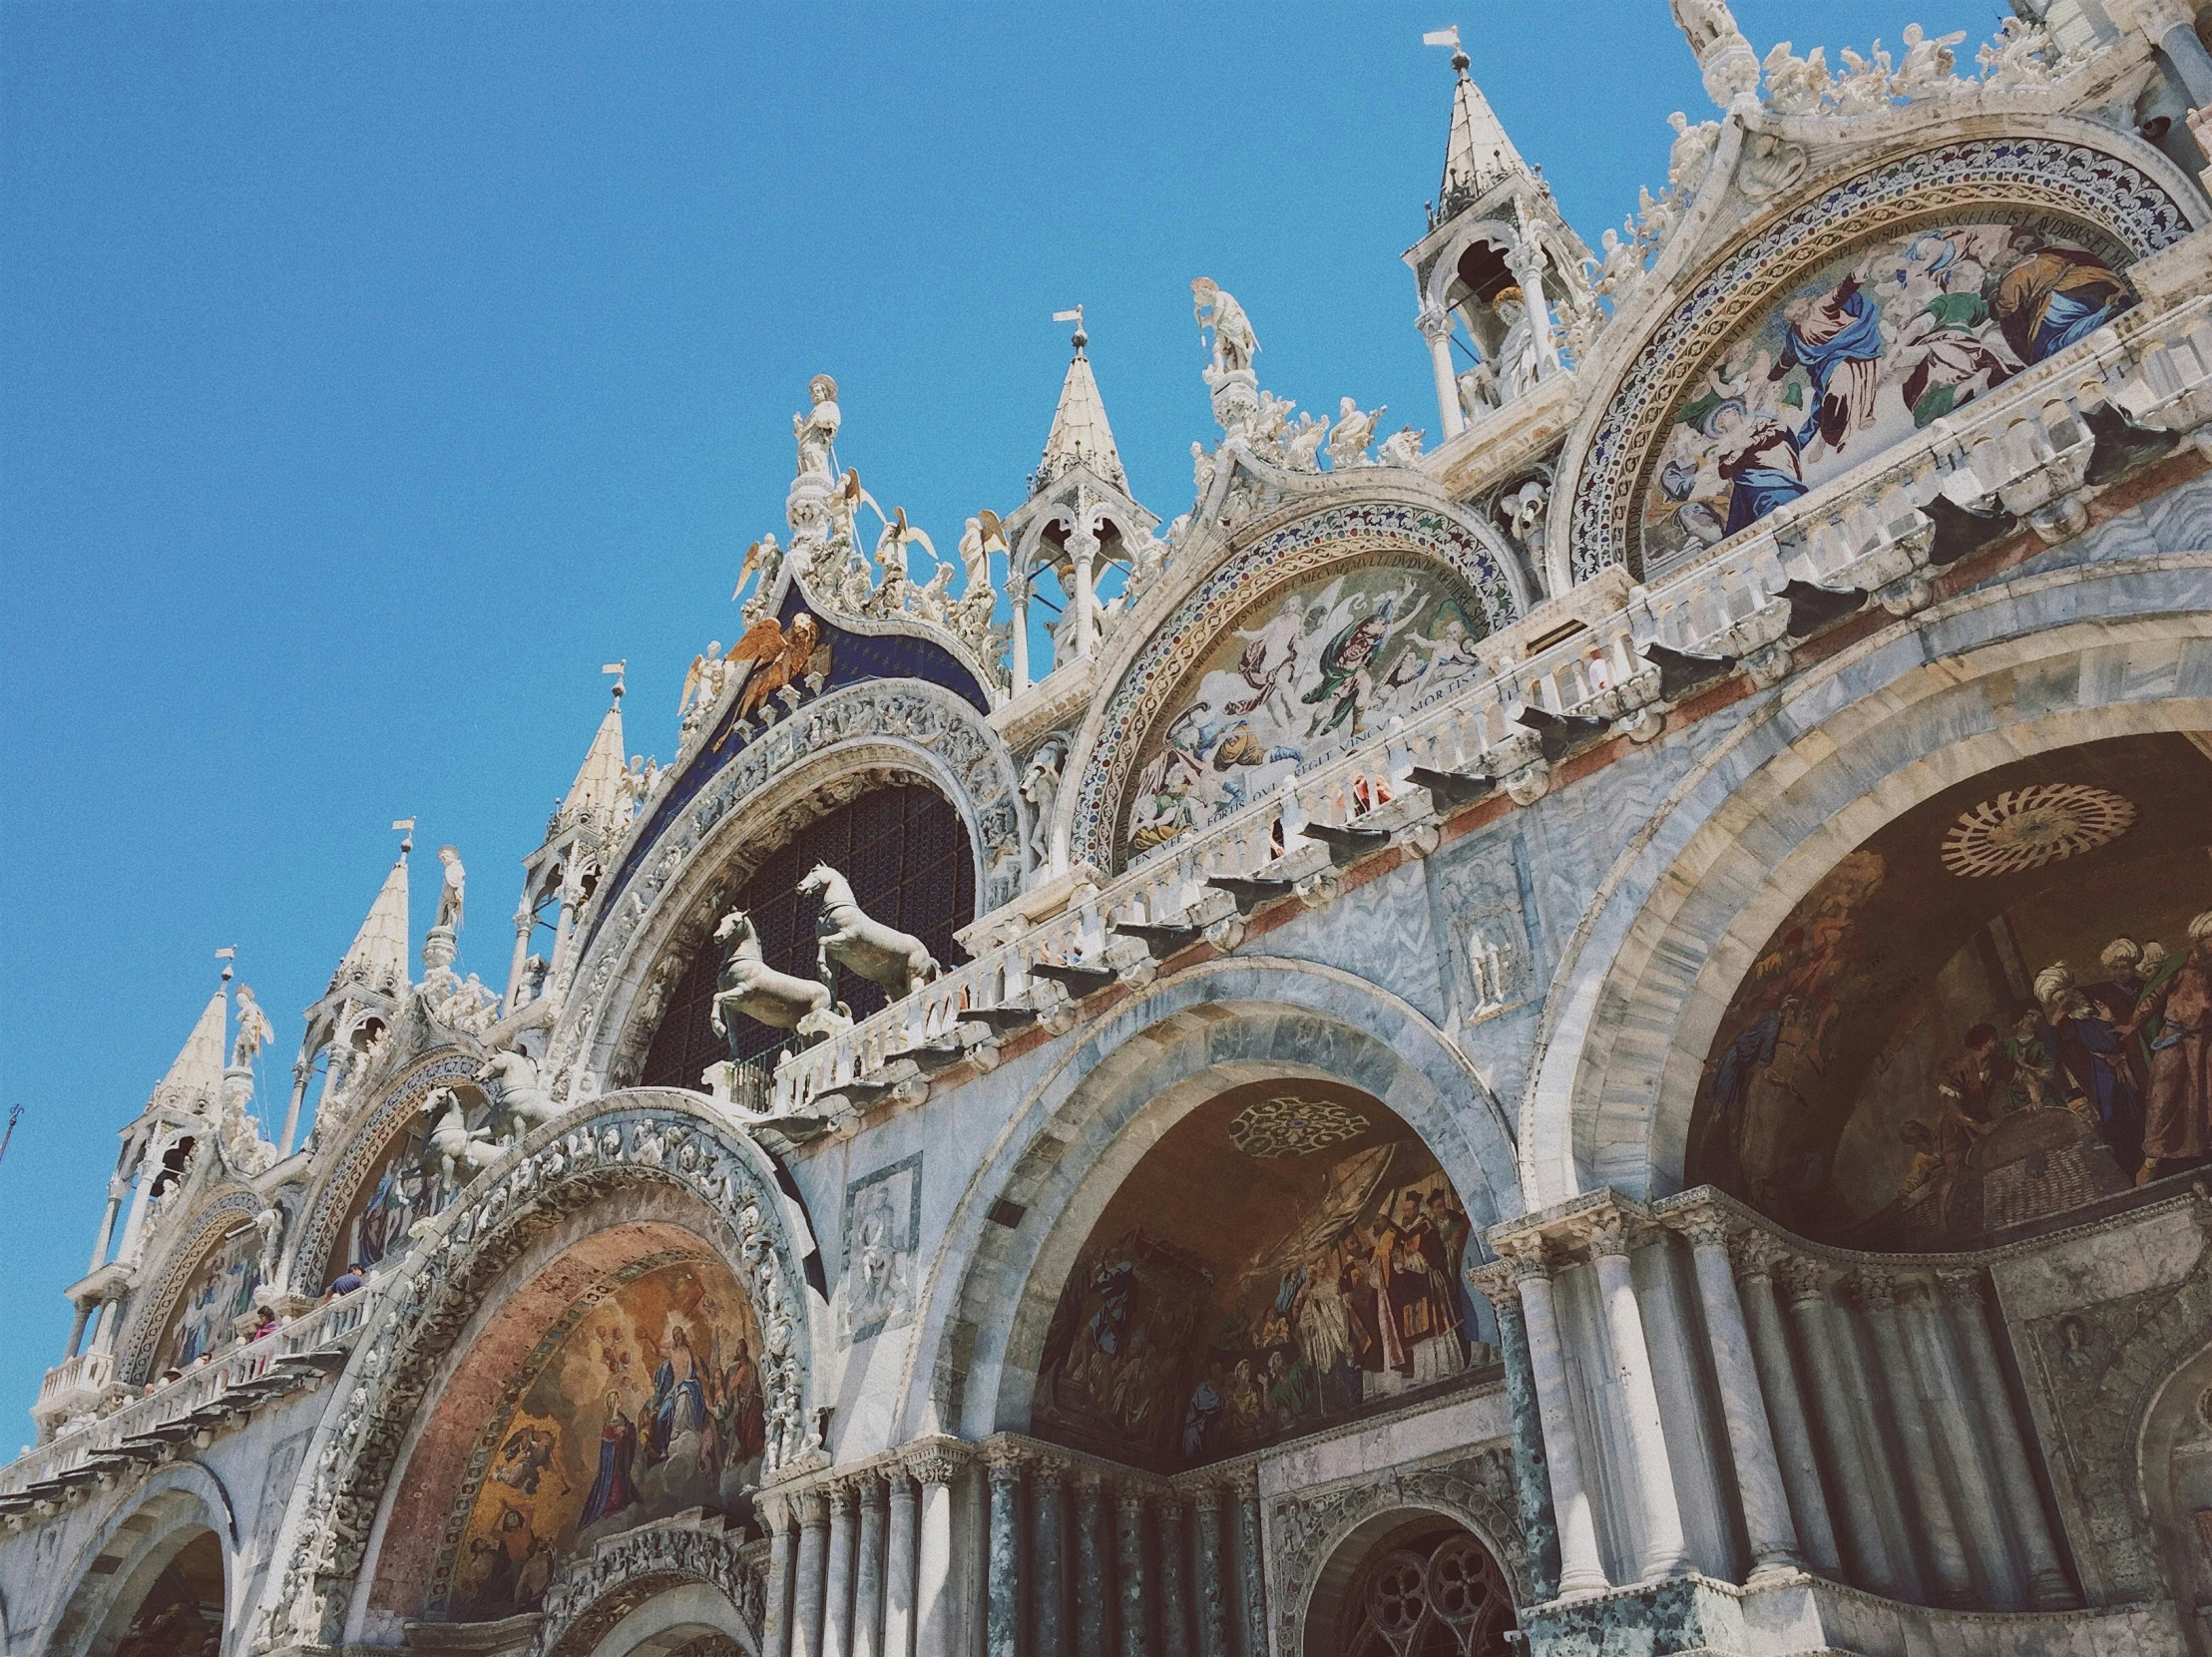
(749, 985)
(897, 961)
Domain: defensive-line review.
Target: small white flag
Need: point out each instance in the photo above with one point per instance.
(404, 823)
(614, 667)
(231, 953)
(1074, 316)
(1443, 37)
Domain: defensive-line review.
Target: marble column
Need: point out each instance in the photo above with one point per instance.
(1934, 1520)
(1766, 1506)
(806, 1593)
(1017, 596)
(1540, 1531)
(2048, 1588)
(1998, 1583)
(110, 1322)
(867, 1578)
(1175, 1594)
(898, 1566)
(1867, 1556)
(1048, 1558)
(77, 1329)
(783, 1537)
(303, 1073)
(1757, 1253)
(1083, 547)
(1435, 328)
(844, 1507)
(1213, 1573)
(1092, 1586)
(1002, 1611)
(1651, 1473)
(934, 1618)
(1128, 1547)
(1580, 1571)
(1251, 1574)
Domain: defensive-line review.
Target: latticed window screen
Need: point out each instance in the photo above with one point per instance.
(907, 857)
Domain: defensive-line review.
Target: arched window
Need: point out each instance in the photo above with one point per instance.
(907, 856)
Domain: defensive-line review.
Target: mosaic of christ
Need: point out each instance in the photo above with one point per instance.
(642, 1401)
(1288, 1256)
(1996, 1009)
(1871, 347)
(1301, 677)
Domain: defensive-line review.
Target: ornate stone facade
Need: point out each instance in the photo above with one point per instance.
(1597, 1026)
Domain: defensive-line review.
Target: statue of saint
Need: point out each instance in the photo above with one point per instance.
(449, 893)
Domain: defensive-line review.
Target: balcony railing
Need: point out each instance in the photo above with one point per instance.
(2022, 454)
(140, 1428)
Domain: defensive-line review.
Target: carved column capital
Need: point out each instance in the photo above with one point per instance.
(1435, 323)
(1757, 1253)
(1242, 1482)
(1962, 1288)
(1874, 1290)
(812, 1506)
(1495, 1282)
(1606, 1233)
(1172, 1503)
(1205, 1496)
(1527, 1256)
(1130, 1501)
(844, 1496)
(1802, 1278)
(937, 1462)
(1048, 1474)
(1702, 1224)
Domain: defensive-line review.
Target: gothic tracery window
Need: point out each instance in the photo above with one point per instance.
(1438, 1595)
(906, 854)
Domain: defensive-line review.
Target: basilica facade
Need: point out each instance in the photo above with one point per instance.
(1585, 1032)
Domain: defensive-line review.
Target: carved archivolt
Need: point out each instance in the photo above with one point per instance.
(343, 1179)
(1612, 455)
(217, 1219)
(595, 1591)
(774, 786)
(651, 1136)
(1306, 1527)
(1280, 555)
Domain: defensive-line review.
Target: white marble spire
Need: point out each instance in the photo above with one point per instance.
(194, 1077)
(1478, 153)
(597, 789)
(378, 956)
(1079, 434)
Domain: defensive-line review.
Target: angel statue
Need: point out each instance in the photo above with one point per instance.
(977, 538)
(781, 662)
(816, 429)
(254, 1030)
(449, 892)
(763, 559)
(703, 687)
(1234, 344)
(1353, 432)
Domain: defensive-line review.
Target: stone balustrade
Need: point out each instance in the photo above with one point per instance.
(2031, 452)
(1862, 1401)
(141, 1430)
(1082, 1557)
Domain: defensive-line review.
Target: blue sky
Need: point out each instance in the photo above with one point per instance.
(369, 374)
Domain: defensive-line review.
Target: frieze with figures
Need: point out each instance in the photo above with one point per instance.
(1467, 576)
(2076, 191)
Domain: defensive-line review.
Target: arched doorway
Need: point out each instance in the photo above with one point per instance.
(1289, 1256)
(1417, 1585)
(1982, 1016)
(180, 1611)
(907, 856)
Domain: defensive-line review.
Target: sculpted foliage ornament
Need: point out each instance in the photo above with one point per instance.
(459, 1258)
(594, 1591)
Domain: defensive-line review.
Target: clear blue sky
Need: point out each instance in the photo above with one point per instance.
(369, 374)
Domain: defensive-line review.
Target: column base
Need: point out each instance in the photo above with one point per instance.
(1800, 1615)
